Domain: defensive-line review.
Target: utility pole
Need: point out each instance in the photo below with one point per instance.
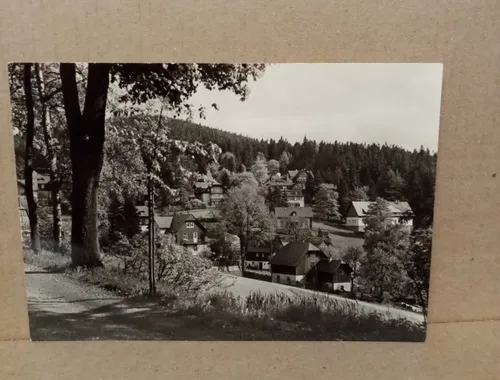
(151, 212)
(151, 230)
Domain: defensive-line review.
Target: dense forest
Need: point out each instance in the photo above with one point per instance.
(385, 171)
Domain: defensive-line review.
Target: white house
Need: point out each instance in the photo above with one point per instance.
(358, 211)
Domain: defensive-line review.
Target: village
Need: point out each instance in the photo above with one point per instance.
(306, 251)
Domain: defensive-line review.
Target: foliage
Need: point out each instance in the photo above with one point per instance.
(359, 194)
(385, 242)
(296, 232)
(275, 197)
(353, 256)
(175, 265)
(348, 165)
(279, 316)
(417, 261)
(259, 168)
(273, 166)
(326, 203)
(246, 215)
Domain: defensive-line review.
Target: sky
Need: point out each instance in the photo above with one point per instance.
(366, 103)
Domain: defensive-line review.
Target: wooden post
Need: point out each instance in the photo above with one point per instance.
(151, 230)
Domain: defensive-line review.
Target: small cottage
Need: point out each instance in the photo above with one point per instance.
(258, 255)
(294, 261)
(334, 275)
(187, 231)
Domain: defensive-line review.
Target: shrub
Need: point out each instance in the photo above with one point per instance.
(174, 264)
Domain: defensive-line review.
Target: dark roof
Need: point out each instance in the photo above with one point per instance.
(330, 266)
(178, 221)
(286, 212)
(292, 253)
(259, 249)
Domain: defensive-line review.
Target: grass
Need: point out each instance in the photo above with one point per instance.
(256, 317)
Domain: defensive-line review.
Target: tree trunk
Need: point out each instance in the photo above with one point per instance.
(52, 158)
(243, 253)
(28, 160)
(86, 133)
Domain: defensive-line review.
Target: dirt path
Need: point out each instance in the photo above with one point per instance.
(63, 309)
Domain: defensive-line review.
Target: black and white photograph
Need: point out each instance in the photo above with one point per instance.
(226, 201)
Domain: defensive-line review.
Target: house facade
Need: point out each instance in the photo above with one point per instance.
(334, 275)
(259, 255)
(187, 231)
(292, 263)
(295, 197)
(358, 211)
(300, 216)
(210, 193)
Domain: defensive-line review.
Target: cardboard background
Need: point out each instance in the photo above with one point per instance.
(463, 335)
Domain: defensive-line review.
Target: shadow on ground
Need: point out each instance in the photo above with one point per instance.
(131, 319)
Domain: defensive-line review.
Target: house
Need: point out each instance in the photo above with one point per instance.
(295, 197)
(258, 255)
(358, 211)
(301, 216)
(186, 230)
(333, 275)
(294, 261)
(210, 193)
(298, 177)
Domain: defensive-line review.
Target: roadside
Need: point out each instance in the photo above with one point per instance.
(64, 306)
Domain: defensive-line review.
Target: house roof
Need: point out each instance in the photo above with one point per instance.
(260, 249)
(164, 222)
(178, 221)
(293, 173)
(330, 266)
(286, 212)
(361, 208)
(292, 253)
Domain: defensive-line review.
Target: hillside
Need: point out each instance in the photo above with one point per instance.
(387, 171)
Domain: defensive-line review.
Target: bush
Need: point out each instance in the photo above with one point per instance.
(174, 264)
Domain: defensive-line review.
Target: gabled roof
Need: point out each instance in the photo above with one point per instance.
(396, 208)
(286, 212)
(164, 222)
(292, 253)
(293, 173)
(330, 266)
(259, 249)
(178, 221)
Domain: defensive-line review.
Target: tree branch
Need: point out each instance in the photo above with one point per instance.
(70, 95)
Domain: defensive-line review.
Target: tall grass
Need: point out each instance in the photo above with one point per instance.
(256, 317)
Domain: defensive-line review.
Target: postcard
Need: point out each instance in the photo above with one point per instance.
(226, 201)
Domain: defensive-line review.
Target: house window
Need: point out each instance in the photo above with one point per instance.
(195, 248)
(278, 278)
(184, 236)
(195, 235)
(190, 224)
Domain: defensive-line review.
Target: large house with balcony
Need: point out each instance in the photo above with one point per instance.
(300, 216)
(210, 193)
(401, 212)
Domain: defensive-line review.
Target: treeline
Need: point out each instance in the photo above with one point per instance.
(386, 171)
